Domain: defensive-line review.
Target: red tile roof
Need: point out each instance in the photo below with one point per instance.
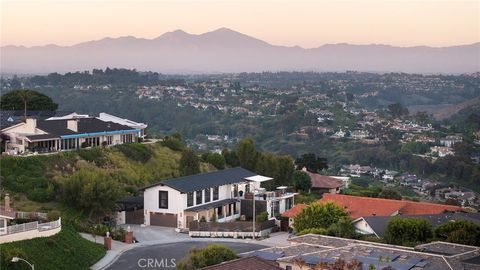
(324, 181)
(294, 210)
(366, 206)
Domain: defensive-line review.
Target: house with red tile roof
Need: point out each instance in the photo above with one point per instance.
(324, 183)
(365, 206)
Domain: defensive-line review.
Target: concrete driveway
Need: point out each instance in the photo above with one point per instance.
(156, 234)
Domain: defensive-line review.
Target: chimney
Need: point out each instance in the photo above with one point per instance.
(31, 124)
(72, 125)
(7, 203)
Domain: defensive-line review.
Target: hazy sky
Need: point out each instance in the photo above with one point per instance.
(282, 22)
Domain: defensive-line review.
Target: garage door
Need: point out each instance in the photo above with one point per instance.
(166, 220)
(134, 216)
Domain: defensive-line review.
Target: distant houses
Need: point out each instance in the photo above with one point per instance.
(38, 134)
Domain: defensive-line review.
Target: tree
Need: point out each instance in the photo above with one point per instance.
(247, 154)
(311, 162)
(301, 181)
(390, 193)
(209, 255)
(25, 99)
(92, 191)
(216, 160)
(407, 231)
(397, 110)
(231, 158)
(189, 162)
(460, 232)
(318, 215)
(342, 228)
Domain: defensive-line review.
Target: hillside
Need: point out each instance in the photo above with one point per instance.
(225, 50)
(65, 250)
(43, 182)
(450, 111)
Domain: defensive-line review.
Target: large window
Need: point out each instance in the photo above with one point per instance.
(190, 199)
(207, 195)
(163, 199)
(215, 193)
(247, 188)
(198, 197)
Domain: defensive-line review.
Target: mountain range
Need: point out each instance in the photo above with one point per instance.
(225, 50)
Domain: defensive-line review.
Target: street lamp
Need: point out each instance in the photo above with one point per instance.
(253, 217)
(17, 259)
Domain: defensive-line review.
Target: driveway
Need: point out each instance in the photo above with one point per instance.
(165, 256)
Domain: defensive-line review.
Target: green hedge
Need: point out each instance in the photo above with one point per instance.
(136, 151)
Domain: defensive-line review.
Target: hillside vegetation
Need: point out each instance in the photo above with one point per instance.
(65, 250)
(45, 181)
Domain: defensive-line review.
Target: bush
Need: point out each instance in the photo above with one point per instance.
(210, 255)
(135, 151)
(172, 143)
(342, 228)
(93, 155)
(216, 160)
(263, 216)
(319, 216)
(53, 215)
(118, 234)
(460, 232)
(313, 231)
(407, 231)
(8, 253)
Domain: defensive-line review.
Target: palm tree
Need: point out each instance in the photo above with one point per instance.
(25, 95)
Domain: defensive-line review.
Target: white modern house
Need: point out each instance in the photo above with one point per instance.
(209, 196)
(69, 132)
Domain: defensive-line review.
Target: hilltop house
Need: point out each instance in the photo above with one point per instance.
(222, 196)
(325, 183)
(69, 132)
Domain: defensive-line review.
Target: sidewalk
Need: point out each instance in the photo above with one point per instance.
(117, 249)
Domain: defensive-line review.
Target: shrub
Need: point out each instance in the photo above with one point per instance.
(8, 253)
(136, 151)
(118, 234)
(319, 216)
(53, 215)
(342, 228)
(460, 232)
(216, 160)
(210, 255)
(172, 143)
(93, 155)
(407, 231)
(313, 231)
(263, 216)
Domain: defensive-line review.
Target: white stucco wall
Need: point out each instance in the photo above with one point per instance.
(7, 238)
(177, 202)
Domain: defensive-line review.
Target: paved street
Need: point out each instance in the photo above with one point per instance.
(163, 256)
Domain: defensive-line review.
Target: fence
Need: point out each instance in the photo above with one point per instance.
(33, 226)
(29, 231)
(235, 229)
(31, 215)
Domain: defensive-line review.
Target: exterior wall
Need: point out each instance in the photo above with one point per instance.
(120, 218)
(27, 235)
(17, 131)
(177, 202)
(363, 227)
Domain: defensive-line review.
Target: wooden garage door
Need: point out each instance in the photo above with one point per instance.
(134, 216)
(166, 220)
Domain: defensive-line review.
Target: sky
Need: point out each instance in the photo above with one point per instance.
(307, 24)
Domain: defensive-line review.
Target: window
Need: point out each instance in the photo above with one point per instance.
(247, 188)
(288, 267)
(207, 195)
(235, 190)
(190, 199)
(163, 199)
(215, 193)
(198, 197)
(235, 210)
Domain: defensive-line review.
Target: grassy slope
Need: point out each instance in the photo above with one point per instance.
(24, 176)
(65, 250)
